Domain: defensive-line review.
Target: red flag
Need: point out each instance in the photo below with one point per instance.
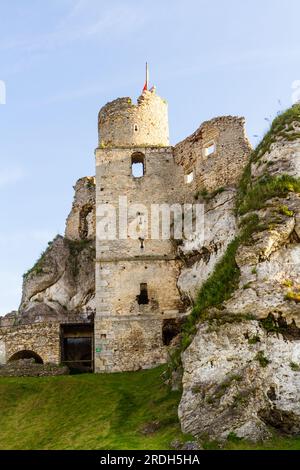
(147, 79)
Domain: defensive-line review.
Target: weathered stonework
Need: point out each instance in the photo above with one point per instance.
(224, 166)
(29, 368)
(71, 284)
(128, 336)
(122, 123)
(41, 338)
(81, 221)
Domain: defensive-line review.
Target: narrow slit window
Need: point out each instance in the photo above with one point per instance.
(143, 298)
(136, 128)
(209, 149)
(137, 165)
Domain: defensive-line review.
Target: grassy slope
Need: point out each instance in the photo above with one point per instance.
(87, 412)
(97, 412)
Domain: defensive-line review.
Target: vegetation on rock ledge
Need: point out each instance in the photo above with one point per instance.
(251, 196)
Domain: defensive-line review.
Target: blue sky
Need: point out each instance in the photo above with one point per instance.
(61, 60)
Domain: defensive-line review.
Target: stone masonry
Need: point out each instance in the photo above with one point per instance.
(40, 338)
(128, 334)
(138, 290)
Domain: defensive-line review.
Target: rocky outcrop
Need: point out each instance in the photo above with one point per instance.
(270, 263)
(238, 378)
(201, 253)
(61, 284)
(242, 368)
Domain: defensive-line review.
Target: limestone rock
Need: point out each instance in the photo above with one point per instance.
(283, 158)
(62, 282)
(240, 379)
(242, 376)
(66, 284)
(203, 251)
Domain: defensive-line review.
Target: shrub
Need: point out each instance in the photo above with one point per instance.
(254, 339)
(261, 358)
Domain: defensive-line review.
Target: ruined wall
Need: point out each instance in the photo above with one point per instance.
(61, 285)
(122, 123)
(80, 224)
(225, 165)
(118, 285)
(128, 334)
(128, 343)
(41, 338)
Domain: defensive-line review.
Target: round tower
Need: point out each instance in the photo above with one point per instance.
(124, 124)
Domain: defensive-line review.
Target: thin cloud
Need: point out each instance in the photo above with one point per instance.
(86, 20)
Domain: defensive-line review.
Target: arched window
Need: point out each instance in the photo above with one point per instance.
(26, 354)
(137, 165)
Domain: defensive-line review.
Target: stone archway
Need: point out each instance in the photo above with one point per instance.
(26, 354)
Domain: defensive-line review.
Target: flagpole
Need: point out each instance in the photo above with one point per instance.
(147, 76)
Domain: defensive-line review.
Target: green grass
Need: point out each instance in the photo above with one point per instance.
(218, 287)
(276, 443)
(267, 188)
(100, 411)
(91, 411)
(281, 128)
(262, 359)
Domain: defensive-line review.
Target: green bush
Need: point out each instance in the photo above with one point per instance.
(261, 358)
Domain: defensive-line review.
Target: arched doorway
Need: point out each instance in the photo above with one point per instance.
(26, 354)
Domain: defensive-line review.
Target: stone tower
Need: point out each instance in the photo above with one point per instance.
(137, 300)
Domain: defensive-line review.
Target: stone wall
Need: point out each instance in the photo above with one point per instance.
(123, 264)
(225, 165)
(128, 343)
(41, 338)
(29, 368)
(2, 351)
(122, 123)
(80, 224)
(162, 183)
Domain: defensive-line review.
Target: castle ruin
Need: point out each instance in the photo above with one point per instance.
(115, 305)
